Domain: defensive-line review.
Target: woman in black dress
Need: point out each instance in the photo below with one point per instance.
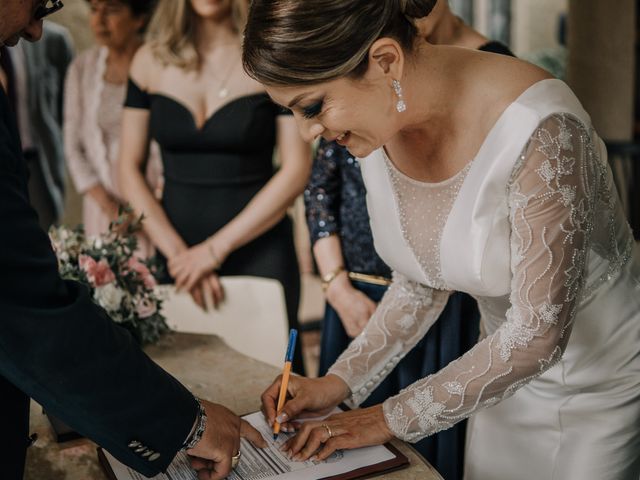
(223, 207)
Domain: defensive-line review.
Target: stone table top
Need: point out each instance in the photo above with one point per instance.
(204, 364)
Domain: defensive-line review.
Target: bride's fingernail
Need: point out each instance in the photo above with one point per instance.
(282, 417)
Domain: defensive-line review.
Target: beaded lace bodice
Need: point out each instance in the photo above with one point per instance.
(423, 209)
(563, 216)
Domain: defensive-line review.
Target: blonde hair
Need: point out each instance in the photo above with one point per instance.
(172, 31)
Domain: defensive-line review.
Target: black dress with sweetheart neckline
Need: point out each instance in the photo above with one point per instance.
(211, 173)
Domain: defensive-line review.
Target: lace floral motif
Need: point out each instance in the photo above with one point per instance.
(402, 318)
(559, 187)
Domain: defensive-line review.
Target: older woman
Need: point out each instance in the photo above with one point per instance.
(94, 94)
(223, 209)
(356, 277)
(483, 175)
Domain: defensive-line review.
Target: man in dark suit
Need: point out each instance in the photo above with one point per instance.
(59, 348)
(33, 75)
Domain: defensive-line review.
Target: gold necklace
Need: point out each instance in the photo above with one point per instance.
(223, 91)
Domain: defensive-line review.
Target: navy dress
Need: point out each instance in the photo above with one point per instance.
(335, 201)
(212, 173)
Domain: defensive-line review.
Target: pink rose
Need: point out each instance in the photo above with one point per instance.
(146, 307)
(98, 273)
(142, 270)
(86, 262)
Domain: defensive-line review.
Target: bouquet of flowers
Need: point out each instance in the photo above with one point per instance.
(119, 281)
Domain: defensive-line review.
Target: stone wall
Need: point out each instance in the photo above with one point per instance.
(74, 17)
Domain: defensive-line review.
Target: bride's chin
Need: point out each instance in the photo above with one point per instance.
(361, 151)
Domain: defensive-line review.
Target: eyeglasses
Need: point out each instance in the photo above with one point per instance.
(47, 7)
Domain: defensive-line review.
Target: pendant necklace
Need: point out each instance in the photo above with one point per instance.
(223, 91)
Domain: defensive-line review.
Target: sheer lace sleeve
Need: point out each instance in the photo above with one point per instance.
(551, 198)
(403, 317)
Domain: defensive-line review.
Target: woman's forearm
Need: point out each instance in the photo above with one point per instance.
(328, 254)
(156, 224)
(100, 195)
(134, 150)
(264, 210)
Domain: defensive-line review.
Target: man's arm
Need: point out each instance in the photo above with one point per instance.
(62, 350)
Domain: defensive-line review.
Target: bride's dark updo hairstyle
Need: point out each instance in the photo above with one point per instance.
(303, 42)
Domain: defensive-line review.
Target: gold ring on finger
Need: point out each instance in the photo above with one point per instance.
(235, 460)
(328, 429)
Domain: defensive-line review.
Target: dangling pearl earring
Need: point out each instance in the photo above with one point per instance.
(401, 106)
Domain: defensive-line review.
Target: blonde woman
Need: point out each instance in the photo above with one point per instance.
(223, 209)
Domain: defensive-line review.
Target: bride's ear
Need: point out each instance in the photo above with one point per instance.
(386, 59)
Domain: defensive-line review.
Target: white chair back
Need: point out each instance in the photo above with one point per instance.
(252, 319)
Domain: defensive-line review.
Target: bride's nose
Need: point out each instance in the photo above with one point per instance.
(310, 129)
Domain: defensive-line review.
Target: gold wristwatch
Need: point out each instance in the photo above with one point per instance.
(330, 277)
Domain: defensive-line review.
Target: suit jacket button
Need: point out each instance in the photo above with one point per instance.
(134, 444)
(147, 453)
(141, 448)
(154, 457)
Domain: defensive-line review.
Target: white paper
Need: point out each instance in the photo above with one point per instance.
(268, 463)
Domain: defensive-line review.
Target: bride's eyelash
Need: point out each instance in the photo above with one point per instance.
(312, 110)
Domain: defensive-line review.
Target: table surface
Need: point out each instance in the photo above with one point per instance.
(203, 364)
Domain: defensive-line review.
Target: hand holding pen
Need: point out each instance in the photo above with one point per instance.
(307, 397)
(284, 384)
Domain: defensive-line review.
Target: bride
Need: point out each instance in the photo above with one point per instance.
(483, 175)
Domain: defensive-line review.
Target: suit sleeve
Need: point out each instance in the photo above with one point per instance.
(63, 351)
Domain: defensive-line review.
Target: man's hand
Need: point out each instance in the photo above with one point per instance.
(211, 457)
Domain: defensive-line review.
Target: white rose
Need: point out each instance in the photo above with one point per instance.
(145, 307)
(109, 297)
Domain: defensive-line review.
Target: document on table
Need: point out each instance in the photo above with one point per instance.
(271, 463)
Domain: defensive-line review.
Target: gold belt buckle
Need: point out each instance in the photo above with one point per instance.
(373, 279)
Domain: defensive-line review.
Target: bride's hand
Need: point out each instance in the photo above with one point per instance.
(306, 397)
(343, 431)
(190, 266)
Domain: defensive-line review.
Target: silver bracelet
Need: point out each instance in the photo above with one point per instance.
(198, 428)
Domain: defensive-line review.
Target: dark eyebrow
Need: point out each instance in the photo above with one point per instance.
(297, 99)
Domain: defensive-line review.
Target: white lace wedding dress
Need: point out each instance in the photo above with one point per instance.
(532, 228)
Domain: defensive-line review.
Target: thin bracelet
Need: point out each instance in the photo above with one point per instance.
(331, 276)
